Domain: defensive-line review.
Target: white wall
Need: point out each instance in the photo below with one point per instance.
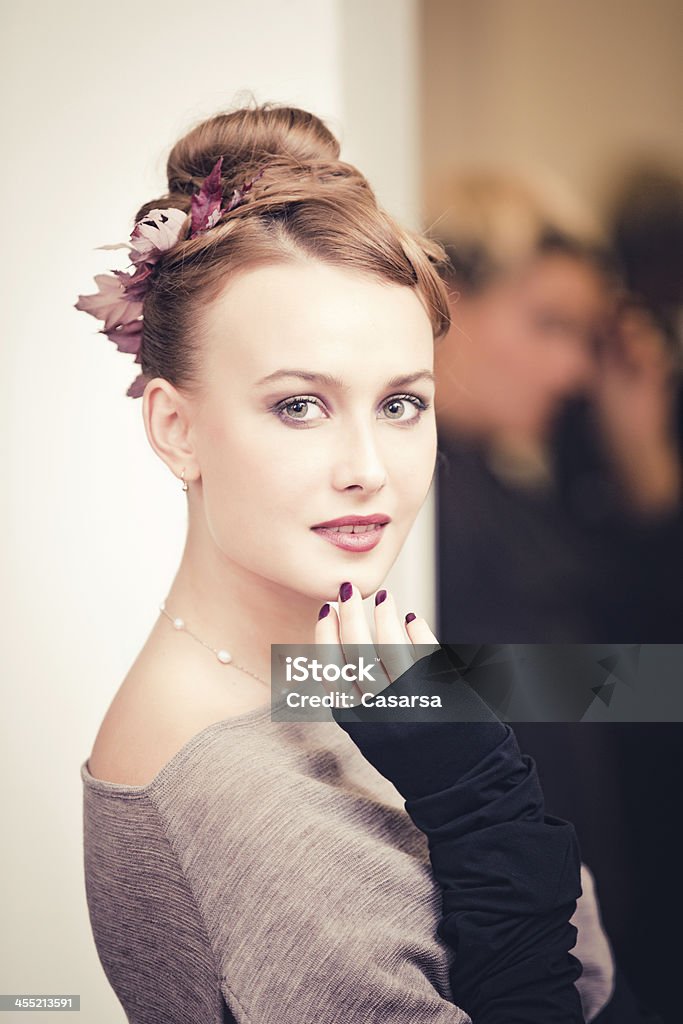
(92, 522)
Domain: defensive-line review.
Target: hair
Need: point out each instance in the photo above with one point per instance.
(491, 222)
(307, 204)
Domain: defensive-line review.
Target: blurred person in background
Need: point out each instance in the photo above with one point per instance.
(559, 510)
(556, 406)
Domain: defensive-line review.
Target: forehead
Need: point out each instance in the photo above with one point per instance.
(310, 313)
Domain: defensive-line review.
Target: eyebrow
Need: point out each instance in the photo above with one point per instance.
(402, 380)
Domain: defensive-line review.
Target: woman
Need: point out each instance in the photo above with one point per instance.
(240, 868)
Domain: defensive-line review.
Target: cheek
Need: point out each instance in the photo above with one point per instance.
(410, 465)
(254, 484)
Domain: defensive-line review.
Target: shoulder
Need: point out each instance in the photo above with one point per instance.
(158, 709)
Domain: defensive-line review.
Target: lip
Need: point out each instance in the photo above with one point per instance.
(378, 517)
(364, 541)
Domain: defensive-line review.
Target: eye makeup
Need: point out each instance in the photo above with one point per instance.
(280, 409)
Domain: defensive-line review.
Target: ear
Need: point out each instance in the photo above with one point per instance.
(167, 418)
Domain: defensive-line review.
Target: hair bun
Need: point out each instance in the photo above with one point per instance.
(246, 138)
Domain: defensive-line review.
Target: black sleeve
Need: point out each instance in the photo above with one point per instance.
(510, 874)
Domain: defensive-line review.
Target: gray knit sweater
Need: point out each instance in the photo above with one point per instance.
(269, 874)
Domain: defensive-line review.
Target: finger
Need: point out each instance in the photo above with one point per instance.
(388, 626)
(328, 649)
(354, 625)
(393, 644)
(357, 642)
(327, 627)
(421, 635)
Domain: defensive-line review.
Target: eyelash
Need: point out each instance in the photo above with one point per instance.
(419, 403)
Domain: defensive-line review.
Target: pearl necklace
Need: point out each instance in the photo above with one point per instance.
(223, 656)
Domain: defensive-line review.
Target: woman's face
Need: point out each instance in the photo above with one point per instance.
(522, 345)
(281, 448)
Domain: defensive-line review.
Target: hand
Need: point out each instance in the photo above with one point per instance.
(346, 633)
(419, 752)
(634, 400)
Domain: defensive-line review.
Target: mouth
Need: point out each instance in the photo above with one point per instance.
(353, 536)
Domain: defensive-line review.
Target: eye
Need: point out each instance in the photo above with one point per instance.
(400, 400)
(299, 407)
(553, 323)
(295, 410)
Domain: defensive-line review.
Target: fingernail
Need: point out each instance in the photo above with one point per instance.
(379, 596)
(345, 591)
(409, 617)
(325, 610)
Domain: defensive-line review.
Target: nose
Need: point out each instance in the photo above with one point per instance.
(358, 462)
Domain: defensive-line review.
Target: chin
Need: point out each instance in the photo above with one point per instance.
(367, 579)
(372, 577)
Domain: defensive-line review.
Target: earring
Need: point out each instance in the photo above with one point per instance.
(182, 477)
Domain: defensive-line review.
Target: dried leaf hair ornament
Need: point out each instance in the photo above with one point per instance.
(121, 294)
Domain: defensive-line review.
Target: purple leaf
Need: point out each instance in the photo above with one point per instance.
(118, 245)
(135, 285)
(208, 200)
(137, 388)
(110, 303)
(156, 233)
(239, 194)
(126, 337)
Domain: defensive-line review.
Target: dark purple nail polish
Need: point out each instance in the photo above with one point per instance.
(379, 596)
(409, 617)
(345, 591)
(325, 610)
